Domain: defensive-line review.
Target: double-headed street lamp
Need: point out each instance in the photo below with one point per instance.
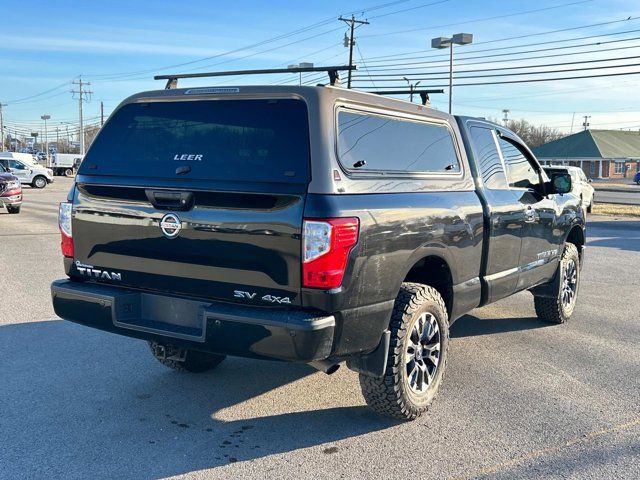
(444, 42)
(46, 137)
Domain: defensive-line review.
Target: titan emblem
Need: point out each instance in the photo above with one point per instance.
(170, 225)
(91, 272)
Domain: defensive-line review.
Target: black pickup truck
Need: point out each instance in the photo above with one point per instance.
(311, 224)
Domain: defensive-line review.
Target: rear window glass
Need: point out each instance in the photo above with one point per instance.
(373, 143)
(247, 140)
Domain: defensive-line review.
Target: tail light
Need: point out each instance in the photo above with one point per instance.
(326, 244)
(64, 222)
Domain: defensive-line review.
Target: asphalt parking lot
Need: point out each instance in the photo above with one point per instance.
(521, 399)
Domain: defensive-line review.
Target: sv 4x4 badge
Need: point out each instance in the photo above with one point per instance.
(265, 298)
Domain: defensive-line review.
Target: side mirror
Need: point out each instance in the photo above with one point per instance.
(560, 183)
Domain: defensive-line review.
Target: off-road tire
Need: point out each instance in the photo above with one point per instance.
(391, 395)
(552, 310)
(39, 182)
(195, 362)
(11, 209)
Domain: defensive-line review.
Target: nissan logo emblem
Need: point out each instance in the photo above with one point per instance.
(170, 225)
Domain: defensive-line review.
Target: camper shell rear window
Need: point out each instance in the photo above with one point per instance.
(265, 140)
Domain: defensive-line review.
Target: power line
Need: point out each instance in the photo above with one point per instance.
(536, 80)
(511, 47)
(252, 46)
(409, 9)
(478, 20)
(512, 60)
(390, 77)
(23, 99)
(506, 39)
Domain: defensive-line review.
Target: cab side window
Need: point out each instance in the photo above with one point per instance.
(491, 170)
(520, 171)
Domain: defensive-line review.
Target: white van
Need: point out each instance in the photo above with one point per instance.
(28, 171)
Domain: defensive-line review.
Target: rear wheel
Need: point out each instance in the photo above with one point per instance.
(12, 209)
(560, 308)
(185, 360)
(39, 182)
(68, 172)
(417, 355)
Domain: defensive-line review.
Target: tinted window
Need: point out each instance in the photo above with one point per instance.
(488, 159)
(376, 143)
(520, 171)
(250, 140)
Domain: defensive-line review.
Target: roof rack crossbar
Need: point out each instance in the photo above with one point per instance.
(424, 94)
(333, 71)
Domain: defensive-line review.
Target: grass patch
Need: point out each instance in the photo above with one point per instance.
(613, 209)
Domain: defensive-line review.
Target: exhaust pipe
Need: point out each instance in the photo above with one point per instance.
(325, 366)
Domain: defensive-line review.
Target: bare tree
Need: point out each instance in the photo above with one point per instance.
(90, 134)
(533, 136)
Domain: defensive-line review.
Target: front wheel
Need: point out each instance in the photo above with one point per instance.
(68, 172)
(12, 209)
(39, 182)
(559, 309)
(417, 355)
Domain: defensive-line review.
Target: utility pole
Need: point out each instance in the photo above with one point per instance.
(505, 119)
(412, 87)
(2, 125)
(101, 113)
(585, 124)
(81, 93)
(350, 42)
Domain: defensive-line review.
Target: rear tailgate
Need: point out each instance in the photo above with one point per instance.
(201, 198)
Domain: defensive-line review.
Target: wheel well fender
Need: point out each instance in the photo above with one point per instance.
(435, 271)
(577, 237)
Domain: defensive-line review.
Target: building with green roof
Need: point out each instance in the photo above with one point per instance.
(600, 153)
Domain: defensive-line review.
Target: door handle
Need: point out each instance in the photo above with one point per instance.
(529, 214)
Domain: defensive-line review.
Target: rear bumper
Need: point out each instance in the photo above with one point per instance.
(283, 334)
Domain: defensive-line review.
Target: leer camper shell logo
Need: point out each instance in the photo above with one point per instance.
(188, 157)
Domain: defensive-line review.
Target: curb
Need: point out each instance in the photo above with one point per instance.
(631, 189)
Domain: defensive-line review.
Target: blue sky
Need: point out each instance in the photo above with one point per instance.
(118, 46)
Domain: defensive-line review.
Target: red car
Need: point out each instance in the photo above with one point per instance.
(10, 191)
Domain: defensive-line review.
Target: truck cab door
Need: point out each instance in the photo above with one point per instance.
(503, 213)
(541, 240)
(20, 170)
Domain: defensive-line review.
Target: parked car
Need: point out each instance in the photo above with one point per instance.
(10, 191)
(636, 178)
(28, 171)
(311, 224)
(581, 185)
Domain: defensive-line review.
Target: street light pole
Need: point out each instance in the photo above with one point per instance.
(46, 137)
(450, 76)
(444, 42)
(2, 125)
